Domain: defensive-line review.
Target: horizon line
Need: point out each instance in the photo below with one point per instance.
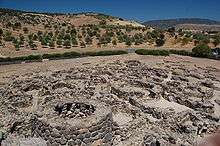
(96, 12)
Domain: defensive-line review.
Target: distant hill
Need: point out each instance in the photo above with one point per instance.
(163, 24)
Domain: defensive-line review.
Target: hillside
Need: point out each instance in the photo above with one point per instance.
(199, 27)
(30, 32)
(27, 33)
(36, 17)
(174, 22)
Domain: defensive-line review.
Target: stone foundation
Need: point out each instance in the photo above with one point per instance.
(94, 129)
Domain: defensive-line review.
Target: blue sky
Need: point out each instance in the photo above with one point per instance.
(140, 10)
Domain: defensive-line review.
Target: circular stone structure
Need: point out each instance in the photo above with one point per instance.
(71, 122)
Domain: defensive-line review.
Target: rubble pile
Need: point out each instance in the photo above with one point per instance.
(73, 110)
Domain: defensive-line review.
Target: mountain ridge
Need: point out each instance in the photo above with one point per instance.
(166, 23)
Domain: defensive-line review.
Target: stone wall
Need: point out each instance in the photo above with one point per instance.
(96, 132)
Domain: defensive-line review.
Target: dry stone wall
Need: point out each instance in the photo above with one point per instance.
(95, 127)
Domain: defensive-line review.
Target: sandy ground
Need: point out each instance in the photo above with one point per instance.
(11, 52)
(17, 69)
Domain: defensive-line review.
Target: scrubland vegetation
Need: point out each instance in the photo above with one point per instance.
(21, 31)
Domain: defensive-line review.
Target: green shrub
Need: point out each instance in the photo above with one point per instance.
(44, 42)
(25, 29)
(202, 38)
(9, 24)
(8, 36)
(32, 44)
(153, 35)
(1, 32)
(21, 58)
(114, 42)
(202, 50)
(216, 41)
(82, 44)
(88, 40)
(33, 57)
(17, 46)
(67, 43)
(51, 44)
(181, 52)
(35, 37)
(5, 59)
(171, 30)
(160, 42)
(59, 42)
(51, 56)
(105, 39)
(67, 37)
(71, 54)
(17, 25)
(89, 54)
(103, 22)
(105, 53)
(74, 41)
(152, 52)
(3, 136)
(128, 42)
